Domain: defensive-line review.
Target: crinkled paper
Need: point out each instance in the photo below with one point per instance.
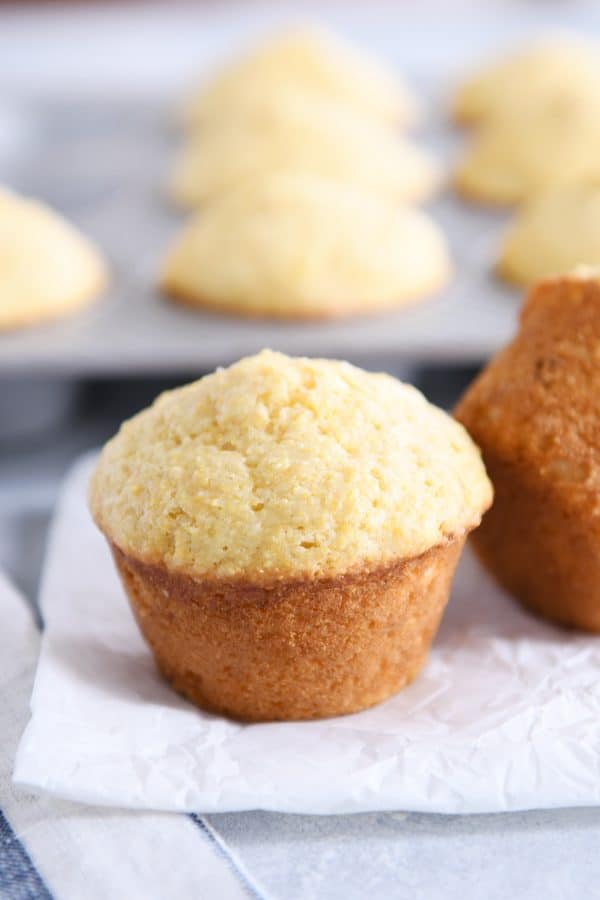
(505, 716)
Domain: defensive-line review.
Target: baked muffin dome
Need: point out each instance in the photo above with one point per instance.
(47, 268)
(531, 149)
(304, 139)
(287, 531)
(308, 59)
(553, 68)
(280, 467)
(553, 233)
(256, 107)
(302, 246)
(534, 412)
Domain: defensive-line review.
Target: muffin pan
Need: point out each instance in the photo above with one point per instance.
(103, 163)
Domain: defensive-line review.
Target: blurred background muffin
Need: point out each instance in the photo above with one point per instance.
(307, 139)
(48, 270)
(310, 60)
(295, 246)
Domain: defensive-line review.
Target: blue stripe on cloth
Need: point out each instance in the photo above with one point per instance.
(222, 850)
(19, 879)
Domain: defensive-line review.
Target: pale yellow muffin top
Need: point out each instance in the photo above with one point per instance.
(307, 139)
(554, 68)
(47, 268)
(279, 467)
(530, 150)
(292, 245)
(305, 59)
(260, 107)
(553, 233)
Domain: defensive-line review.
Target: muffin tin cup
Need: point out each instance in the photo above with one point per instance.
(292, 649)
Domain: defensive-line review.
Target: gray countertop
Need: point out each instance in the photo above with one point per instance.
(551, 854)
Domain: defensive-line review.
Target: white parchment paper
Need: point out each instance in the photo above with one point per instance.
(505, 716)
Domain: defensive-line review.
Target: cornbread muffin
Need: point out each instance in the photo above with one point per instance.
(560, 68)
(531, 150)
(47, 269)
(534, 412)
(301, 246)
(257, 107)
(286, 530)
(552, 233)
(304, 140)
(310, 60)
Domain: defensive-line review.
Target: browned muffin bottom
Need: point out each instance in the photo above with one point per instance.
(535, 413)
(299, 649)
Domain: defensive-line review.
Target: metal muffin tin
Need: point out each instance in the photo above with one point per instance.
(102, 161)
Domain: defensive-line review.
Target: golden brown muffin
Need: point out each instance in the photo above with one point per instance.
(534, 412)
(286, 530)
(301, 649)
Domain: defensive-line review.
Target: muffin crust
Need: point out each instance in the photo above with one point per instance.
(535, 415)
(299, 649)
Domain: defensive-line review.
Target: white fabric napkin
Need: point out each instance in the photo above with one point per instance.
(505, 716)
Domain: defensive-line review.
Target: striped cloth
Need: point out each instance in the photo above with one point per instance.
(53, 849)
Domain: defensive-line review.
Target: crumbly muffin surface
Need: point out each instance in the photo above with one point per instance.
(305, 246)
(284, 468)
(47, 268)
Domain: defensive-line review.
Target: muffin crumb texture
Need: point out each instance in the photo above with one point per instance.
(279, 468)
